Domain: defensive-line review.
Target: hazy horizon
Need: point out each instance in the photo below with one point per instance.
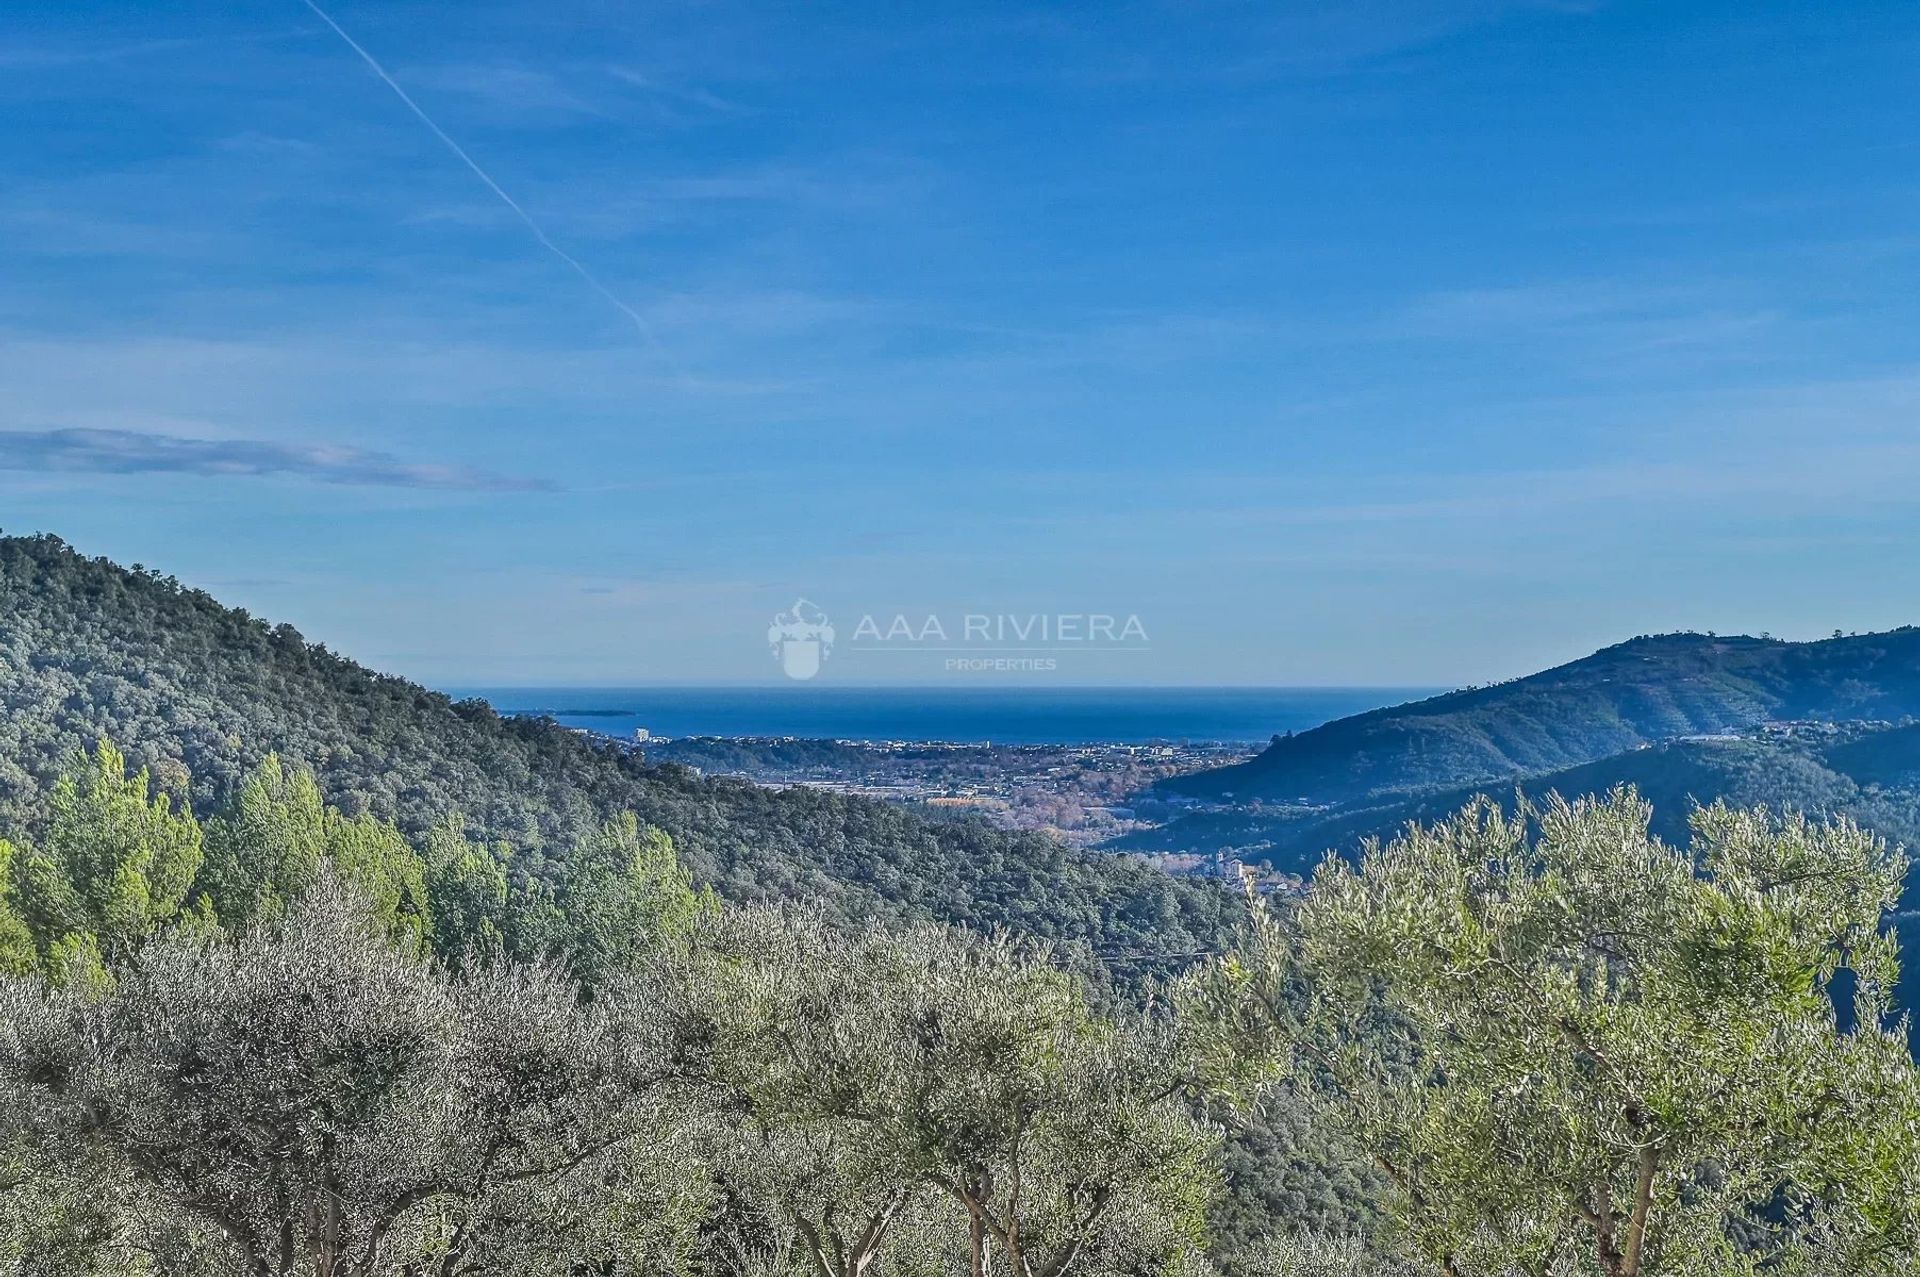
(1024, 714)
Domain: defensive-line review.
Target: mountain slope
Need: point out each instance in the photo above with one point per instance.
(1874, 777)
(1869, 774)
(1636, 693)
(188, 687)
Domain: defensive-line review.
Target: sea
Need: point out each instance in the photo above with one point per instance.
(1001, 716)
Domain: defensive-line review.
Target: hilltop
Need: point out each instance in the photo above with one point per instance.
(1642, 692)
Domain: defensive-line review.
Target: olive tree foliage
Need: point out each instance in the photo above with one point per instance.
(792, 1030)
(66, 1211)
(1574, 1049)
(920, 1100)
(1312, 1255)
(310, 1099)
(1063, 1134)
(285, 1041)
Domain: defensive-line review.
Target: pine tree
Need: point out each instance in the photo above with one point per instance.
(119, 860)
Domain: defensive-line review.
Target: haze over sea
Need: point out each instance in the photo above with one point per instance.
(1004, 716)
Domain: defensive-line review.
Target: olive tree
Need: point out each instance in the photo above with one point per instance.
(1063, 1133)
(791, 1029)
(319, 1102)
(1573, 1048)
(902, 1094)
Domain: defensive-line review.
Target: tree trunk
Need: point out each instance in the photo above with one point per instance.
(1642, 1210)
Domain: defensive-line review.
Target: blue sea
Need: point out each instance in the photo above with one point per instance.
(1002, 716)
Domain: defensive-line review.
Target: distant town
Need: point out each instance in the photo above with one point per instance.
(1081, 794)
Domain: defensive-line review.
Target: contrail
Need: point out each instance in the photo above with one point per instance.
(639, 322)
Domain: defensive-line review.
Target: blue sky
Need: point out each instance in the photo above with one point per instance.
(1382, 343)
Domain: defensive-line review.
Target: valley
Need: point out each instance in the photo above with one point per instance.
(1081, 794)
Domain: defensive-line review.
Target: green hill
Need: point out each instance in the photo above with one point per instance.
(1638, 693)
(194, 689)
(1872, 775)
(1868, 773)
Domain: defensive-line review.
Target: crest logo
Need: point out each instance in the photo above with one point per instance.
(801, 639)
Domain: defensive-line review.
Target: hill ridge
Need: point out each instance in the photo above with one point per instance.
(1638, 692)
(200, 692)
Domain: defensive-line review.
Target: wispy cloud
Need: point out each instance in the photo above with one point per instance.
(1589, 320)
(512, 92)
(685, 95)
(61, 57)
(256, 142)
(85, 451)
(1533, 306)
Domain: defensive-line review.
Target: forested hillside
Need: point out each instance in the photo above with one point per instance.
(1641, 692)
(201, 694)
(1870, 775)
